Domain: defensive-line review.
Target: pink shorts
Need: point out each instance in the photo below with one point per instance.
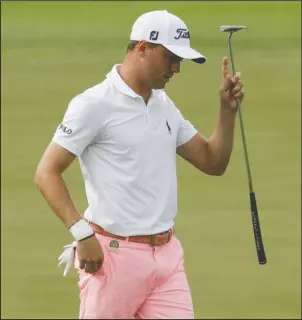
(137, 281)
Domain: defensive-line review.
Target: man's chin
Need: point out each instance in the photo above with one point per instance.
(159, 86)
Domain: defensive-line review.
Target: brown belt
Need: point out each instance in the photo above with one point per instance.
(154, 240)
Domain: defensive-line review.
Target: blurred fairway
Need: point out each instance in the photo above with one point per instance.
(52, 51)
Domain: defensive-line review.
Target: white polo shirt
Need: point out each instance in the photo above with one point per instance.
(127, 153)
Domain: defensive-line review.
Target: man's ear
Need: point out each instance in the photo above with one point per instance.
(142, 47)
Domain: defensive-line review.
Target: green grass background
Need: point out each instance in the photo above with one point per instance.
(51, 51)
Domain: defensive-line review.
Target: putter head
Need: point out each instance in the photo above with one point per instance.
(231, 28)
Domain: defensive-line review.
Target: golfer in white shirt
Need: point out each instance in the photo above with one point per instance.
(127, 132)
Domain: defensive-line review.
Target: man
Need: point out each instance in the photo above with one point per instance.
(126, 132)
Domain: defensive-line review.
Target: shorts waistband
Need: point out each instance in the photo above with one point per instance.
(153, 240)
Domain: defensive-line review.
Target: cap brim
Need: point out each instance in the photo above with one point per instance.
(187, 53)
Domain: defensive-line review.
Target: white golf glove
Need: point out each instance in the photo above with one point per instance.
(67, 257)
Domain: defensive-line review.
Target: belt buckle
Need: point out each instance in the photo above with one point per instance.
(152, 240)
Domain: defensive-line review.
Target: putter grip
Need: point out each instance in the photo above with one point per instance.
(257, 230)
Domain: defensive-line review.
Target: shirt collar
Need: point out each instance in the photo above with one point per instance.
(114, 77)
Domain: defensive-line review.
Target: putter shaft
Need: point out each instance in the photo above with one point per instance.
(250, 182)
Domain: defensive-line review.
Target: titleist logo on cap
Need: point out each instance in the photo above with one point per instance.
(182, 33)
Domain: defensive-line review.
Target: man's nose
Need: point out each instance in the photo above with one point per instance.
(175, 67)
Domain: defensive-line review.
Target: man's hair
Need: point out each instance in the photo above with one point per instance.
(133, 43)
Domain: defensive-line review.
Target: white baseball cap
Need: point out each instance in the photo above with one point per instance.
(168, 30)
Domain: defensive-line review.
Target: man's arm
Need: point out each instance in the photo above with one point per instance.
(49, 180)
(212, 156)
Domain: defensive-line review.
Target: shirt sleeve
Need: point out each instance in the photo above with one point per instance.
(186, 130)
(81, 124)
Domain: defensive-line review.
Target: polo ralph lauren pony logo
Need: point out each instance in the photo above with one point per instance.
(154, 35)
(168, 127)
(182, 33)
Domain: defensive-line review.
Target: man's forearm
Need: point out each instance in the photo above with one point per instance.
(220, 145)
(54, 190)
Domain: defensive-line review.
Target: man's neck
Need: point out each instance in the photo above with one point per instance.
(135, 79)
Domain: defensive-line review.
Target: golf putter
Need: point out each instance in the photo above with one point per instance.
(253, 202)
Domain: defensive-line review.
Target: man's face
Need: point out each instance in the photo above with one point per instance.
(161, 64)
